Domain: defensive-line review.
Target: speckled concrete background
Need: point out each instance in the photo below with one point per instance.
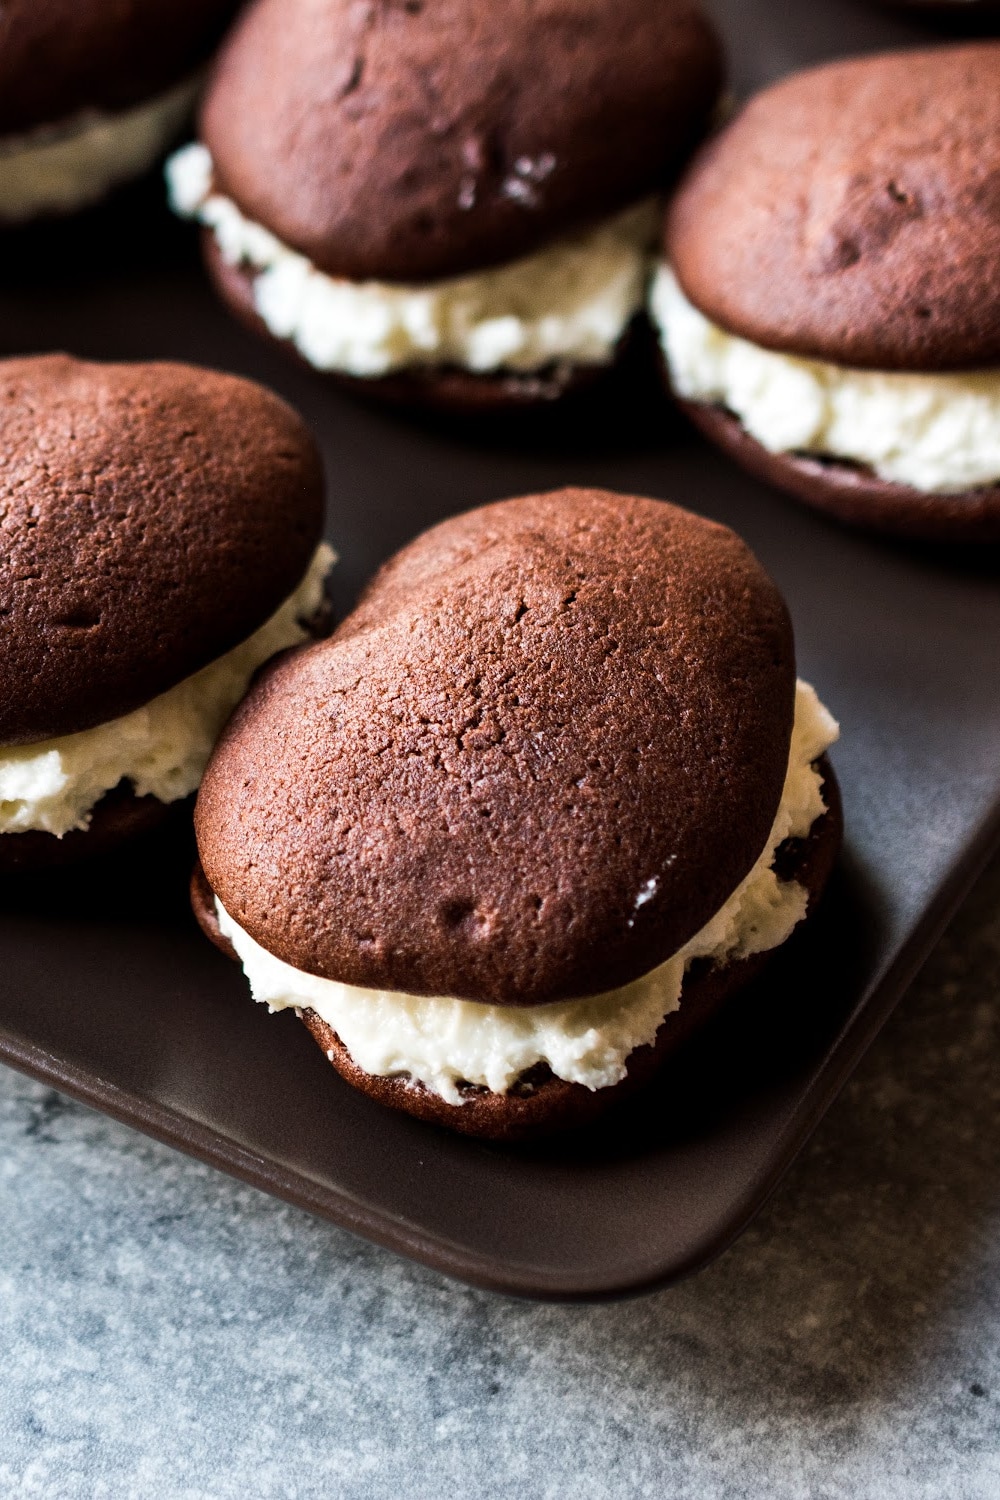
(166, 1332)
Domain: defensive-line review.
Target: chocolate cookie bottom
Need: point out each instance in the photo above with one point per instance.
(855, 494)
(120, 815)
(540, 1103)
(435, 388)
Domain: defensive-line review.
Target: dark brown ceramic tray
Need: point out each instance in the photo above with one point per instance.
(109, 992)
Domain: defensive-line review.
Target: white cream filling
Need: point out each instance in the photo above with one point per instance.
(62, 167)
(163, 747)
(439, 1042)
(936, 433)
(568, 303)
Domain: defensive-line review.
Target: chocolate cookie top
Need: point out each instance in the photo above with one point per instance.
(539, 755)
(58, 57)
(152, 516)
(850, 213)
(405, 140)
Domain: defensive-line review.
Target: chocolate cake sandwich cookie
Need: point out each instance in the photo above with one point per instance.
(829, 302)
(545, 799)
(160, 534)
(444, 201)
(92, 94)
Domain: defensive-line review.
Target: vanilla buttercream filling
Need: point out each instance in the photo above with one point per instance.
(443, 1043)
(568, 303)
(62, 167)
(161, 748)
(938, 433)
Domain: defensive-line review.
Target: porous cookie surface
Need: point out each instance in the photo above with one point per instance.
(423, 138)
(58, 57)
(152, 516)
(867, 191)
(539, 755)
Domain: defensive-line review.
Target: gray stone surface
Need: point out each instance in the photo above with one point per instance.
(166, 1332)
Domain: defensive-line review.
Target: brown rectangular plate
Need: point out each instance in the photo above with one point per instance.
(110, 993)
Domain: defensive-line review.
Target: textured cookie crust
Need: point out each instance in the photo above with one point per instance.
(414, 139)
(853, 493)
(868, 191)
(152, 516)
(541, 1104)
(436, 388)
(58, 57)
(538, 756)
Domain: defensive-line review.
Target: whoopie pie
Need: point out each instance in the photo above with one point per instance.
(160, 529)
(544, 800)
(829, 304)
(443, 201)
(91, 94)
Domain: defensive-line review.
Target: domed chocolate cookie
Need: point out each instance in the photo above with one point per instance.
(832, 283)
(545, 765)
(91, 94)
(422, 188)
(434, 112)
(160, 526)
